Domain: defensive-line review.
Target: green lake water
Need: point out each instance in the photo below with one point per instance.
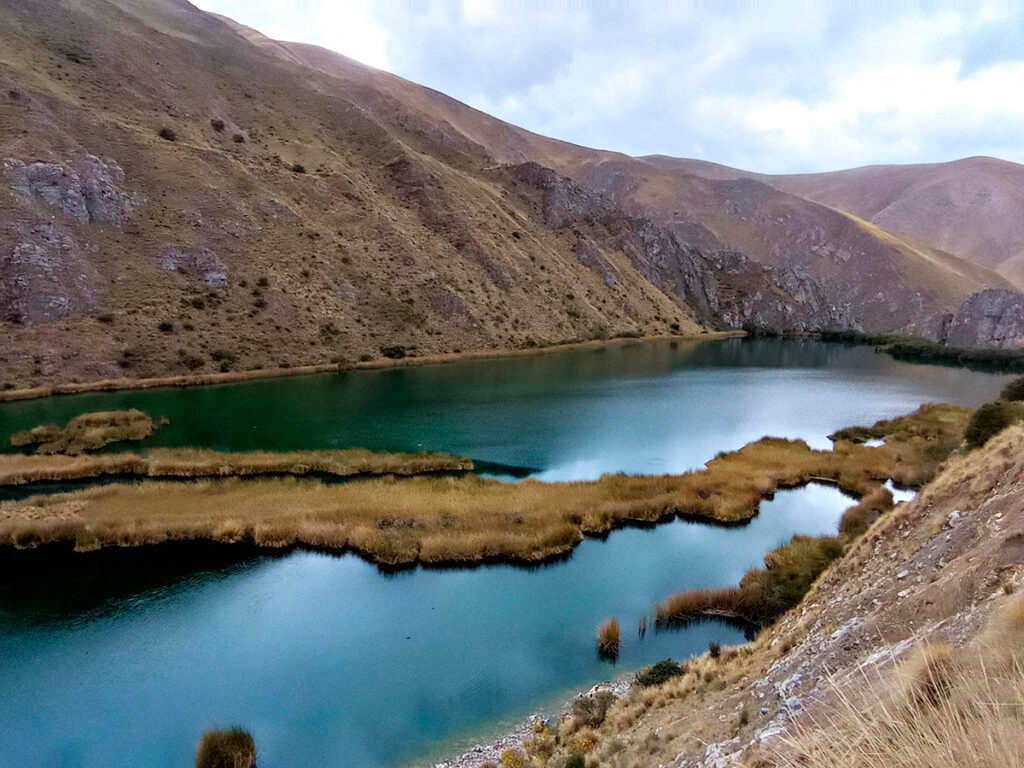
(125, 659)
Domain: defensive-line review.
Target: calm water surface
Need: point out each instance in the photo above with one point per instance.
(127, 659)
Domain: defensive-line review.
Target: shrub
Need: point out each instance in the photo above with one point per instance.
(1014, 390)
(168, 134)
(396, 352)
(714, 649)
(576, 760)
(989, 420)
(590, 711)
(166, 326)
(514, 758)
(231, 748)
(608, 637)
(217, 124)
(263, 282)
(238, 138)
(656, 674)
(298, 168)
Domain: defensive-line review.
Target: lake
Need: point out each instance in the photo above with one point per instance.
(126, 658)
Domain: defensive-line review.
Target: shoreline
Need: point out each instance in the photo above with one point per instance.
(480, 754)
(230, 377)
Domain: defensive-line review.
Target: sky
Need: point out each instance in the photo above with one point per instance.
(774, 87)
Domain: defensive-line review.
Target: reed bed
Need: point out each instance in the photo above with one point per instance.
(435, 519)
(194, 463)
(87, 432)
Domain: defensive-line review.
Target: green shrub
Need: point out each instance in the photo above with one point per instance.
(656, 674)
(714, 649)
(168, 134)
(575, 760)
(1014, 390)
(989, 420)
(217, 124)
(231, 748)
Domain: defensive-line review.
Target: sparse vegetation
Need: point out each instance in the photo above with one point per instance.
(919, 350)
(217, 124)
(942, 708)
(300, 168)
(168, 134)
(230, 748)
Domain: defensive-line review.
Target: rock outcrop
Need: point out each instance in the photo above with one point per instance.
(993, 318)
(44, 274)
(199, 264)
(86, 189)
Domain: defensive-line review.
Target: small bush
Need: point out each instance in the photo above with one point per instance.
(168, 134)
(989, 420)
(238, 138)
(514, 758)
(263, 282)
(231, 748)
(656, 674)
(217, 124)
(166, 327)
(298, 168)
(576, 760)
(1014, 390)
(714, 649)
(590, 711)
(396, 352)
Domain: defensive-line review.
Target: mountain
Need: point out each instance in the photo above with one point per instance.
(966, 207)
(178, 193)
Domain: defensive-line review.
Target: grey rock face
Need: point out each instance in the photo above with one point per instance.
(725, 288)
(199, 264)
(88, 189)
(44, 274)
(992, 318)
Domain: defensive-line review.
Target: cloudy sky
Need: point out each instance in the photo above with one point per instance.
(765, 86)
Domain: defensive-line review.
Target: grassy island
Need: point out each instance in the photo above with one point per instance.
(401, 521)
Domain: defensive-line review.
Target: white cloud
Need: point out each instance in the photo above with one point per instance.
(775, 87)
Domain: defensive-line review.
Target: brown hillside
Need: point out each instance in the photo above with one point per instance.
(966, 207)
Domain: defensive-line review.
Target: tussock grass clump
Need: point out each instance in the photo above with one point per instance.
(87, 432)
(943, 708)
(591, 711)
(608, 635)
(230, 748)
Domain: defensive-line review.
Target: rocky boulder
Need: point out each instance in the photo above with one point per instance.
(200, 264)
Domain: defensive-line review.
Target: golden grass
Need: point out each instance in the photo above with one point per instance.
(87, 432)
(608, 636)
(443, 519)
(943, 708)
(231, 748)
(18, 469)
